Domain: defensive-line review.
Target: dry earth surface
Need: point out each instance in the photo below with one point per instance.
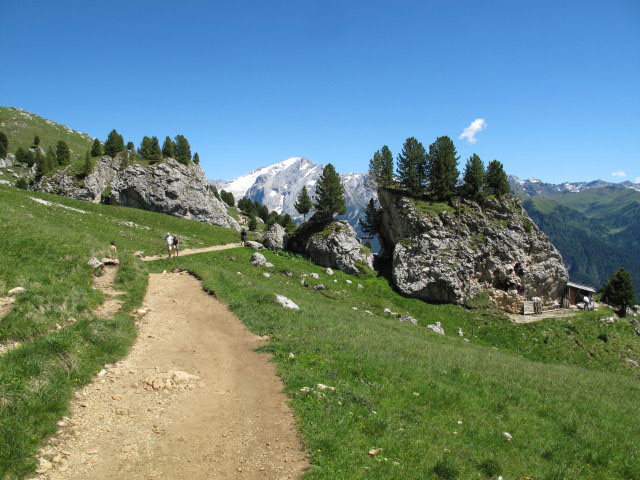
(191, 251)
(191, 400)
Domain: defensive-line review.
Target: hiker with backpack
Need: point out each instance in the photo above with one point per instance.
(169, 239)
(176, 245)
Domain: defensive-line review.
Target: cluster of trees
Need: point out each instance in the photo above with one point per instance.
(254, 210)
(149, 149)
(329, 198)
(4, 145)
(619, 291)
(434, 173)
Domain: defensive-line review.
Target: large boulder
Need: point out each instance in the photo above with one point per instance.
(449, 255)
(275, 238)
(338, 247)
(166, 187)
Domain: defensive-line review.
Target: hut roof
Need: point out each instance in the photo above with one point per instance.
(581, 286)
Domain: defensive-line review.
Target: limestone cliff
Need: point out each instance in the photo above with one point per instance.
(167, 187)
(450, 254)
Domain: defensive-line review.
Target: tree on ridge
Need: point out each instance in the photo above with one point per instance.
(329, 194)
(303, 203)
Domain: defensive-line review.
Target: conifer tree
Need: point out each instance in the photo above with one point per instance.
(619, 291)
(155, 154)
(130, 147)
(62, 153)
(168, 148)
(227, 197)
(372, 219)
(196, 158)
(183, 150)
(4, 145)
(87, 166)
(411, 167)
(114, 144)
(96, 148)
(381, 168)
(329, 194)
(145, 148)
(253, 223)
(36, 140)
(50, 160)
(40, 162)
(442, 169)
(303, 204)
(497, 181)
(474, 179)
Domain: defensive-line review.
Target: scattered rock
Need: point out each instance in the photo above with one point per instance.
(408, 318)
(374, 451)
(95, 263)
(507, 435)
(416, 394)
(633, 362)
(460, 332)
(436, 328)
(268, 265)
(329, 271)
(304, 283)
(178, 376)
(258, 260)
(291, 356)
(110, 261)
(611, 319)
(322, 386)
(288, 274)
(266, 275)
(285, 302)
(15, 291)
(254, 245)
(44, 466)
(314, 275)
(349, 281)
(142, 311)
(360, 286)
(388, 310)
(138, 253)
(305, 389)
(319, 286)
(275, 238)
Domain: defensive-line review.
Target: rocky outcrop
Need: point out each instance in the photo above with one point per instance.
(167, 187)
(337, 247)
(275, 238)
(444, 254)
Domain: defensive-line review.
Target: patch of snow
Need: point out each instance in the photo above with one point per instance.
(52, 204)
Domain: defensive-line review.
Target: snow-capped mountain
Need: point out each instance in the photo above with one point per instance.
(533, 187)
(277, 186)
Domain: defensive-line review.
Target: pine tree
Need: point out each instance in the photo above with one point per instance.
(372, 219)
(155, 154)
(227, 197)
(497, 181)
(474, 179)
(619, 291)
(329, 194)
(253, 223)
(168, 148)
(36, 140)
(381, 168)
(411, 167)
(87, 166)
(442, 169)
(196, 158)
(4, 144)
(40, 162)
(22, 156)
(50, 160)
(96, 148)
(183, 150)
(130, 147)
(114, 144)
(145, 148)
(303, 204)
(62, 153)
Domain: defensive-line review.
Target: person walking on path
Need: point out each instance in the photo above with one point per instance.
(113, 251)
(243, 237)
(169, 239)
(176, 245)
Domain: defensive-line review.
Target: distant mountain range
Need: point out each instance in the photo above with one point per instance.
(532, 187)
(277, 186)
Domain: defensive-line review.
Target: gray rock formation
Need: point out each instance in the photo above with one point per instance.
(446, 255)
(275, 238)
(338, 247)
(167, 187)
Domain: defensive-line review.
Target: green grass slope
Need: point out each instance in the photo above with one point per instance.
(45, 250)
(21, 127)
(596, 231)
(432, 406)
(562, 389)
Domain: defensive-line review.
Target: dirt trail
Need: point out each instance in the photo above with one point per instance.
(192, 400)
(516, 318)
(105, 282)
(191, 251)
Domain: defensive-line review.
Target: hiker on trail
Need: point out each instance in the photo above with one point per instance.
(243, 237)
(113, 249)
(176, 245)
(169, 239)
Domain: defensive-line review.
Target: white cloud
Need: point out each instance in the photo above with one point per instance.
(638, 180)
(476, 126)
(619, 173)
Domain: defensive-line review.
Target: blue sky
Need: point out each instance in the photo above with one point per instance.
(252, 83)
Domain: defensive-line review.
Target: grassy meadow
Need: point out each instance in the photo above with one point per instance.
(430, 406)
(45, 250)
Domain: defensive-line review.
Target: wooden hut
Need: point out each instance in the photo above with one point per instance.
(574, 293)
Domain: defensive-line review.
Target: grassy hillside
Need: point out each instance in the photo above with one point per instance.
(45, 250)
(596, 231)
(21, 127)
(563, 389)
